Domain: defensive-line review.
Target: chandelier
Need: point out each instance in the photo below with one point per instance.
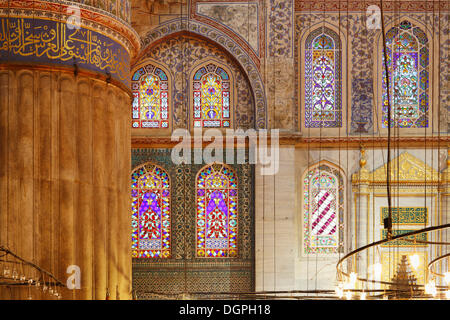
(20, 273)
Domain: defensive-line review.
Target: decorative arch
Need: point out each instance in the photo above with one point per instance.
(323, 79)
(335, 119)
(406, 28)
(229, 45)
(150, 212)
(212, 95)
(216, 190)
(151, 87)
(323, 200)
(407, 50)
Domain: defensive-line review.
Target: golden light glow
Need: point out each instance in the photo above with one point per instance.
(377, 268)
(353, 278)
(348, 295)
(339, 292)
(447, 278)
(430, 288)
(415, 261)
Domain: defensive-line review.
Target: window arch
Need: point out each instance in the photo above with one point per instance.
(150, 217)
(323, 107)
(216, 212)
(323, 210)
(211, 97)
(150, 87)
(407, 59)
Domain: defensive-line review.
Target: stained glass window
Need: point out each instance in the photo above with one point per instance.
(150, 98)
(217, 213)
(407, 59)
(211, 94)
(323, 206)
(323, 80)
(150, 219)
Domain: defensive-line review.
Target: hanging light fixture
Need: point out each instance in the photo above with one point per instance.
(26, 273)
(430, 288)
(415, 261)
(353, 278)
(447, 278)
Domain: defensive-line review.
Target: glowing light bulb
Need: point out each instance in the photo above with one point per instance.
(377, 268)
(348, 285)
(430, 288)
(362, 296)
(339, 292)
(353, 277)
(348, 295)
(447, 277)
(415, 261)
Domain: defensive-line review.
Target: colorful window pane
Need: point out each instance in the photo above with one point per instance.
(211, 90)
(323, 205)
(150, 98)
(407, 59)
(217, 213)
(323, 80)
(150, 219)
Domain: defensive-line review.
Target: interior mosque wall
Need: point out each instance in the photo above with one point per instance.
(59, 154)
(277, 52)
(65, 146)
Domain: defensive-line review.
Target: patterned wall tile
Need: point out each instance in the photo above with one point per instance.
(179, 55)
(184, 272)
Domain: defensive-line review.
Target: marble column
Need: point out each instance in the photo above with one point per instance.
(65, 128)
(64, 179)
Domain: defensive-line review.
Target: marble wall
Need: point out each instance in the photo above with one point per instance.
(266, 39)
(281, 263)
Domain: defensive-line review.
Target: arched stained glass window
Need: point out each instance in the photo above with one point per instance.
(211, 96)
(323, 79)
(217, 212)
(150, 219)
(407, 59)
(150, 87)
(323, 207)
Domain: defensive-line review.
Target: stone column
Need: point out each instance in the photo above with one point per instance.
(65, 148)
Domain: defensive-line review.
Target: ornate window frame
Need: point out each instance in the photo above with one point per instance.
(431, 89)
(146, 67)
(165, 217)
(196, 71)
(304, 43)
(201, 248)
(341, 190)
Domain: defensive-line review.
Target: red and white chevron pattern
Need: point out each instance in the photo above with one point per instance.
(324, 214)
